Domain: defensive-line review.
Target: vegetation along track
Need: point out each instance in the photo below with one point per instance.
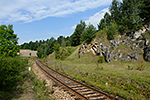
(77, 89)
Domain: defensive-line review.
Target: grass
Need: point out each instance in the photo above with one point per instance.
(123, 82)
(31, 88)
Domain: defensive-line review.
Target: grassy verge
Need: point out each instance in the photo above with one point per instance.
(129, 80)
(22, 84)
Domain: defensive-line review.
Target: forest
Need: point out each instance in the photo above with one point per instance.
(124, 18)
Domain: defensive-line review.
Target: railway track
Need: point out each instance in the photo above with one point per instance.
(79, 90)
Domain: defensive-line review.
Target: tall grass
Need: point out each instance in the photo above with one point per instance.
(123, 82)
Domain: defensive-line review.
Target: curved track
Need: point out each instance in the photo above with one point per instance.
(80, 90)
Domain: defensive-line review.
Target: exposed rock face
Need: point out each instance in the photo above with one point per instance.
(121, 48)
(147, 53)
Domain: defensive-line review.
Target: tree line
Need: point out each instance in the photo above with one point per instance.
(124, 17)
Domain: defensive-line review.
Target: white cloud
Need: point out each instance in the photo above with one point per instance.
(31, 10)
(95, 19)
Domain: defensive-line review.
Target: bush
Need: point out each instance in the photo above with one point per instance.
(57, 51)
(101, 59)
(11, 75)
(112, 30)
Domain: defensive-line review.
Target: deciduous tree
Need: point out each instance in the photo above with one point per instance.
(8, 41)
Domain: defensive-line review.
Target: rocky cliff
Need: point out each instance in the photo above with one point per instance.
(122, 48)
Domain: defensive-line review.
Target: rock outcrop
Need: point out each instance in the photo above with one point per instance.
(122, 48)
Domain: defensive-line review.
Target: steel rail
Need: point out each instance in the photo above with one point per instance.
(56, 80)
(91, 88)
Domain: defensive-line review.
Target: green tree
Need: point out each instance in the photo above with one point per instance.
(30, 53)
(102, 24)
(60, 39)
(50, 44)
(130, 19)
(68, 43)
(105, 22)
(115, 11)
(112, 30)
(8, 41)
(75, 37)
(57, 51)
(107, 19)
(63, 43)
(89, 33)
(145, 10)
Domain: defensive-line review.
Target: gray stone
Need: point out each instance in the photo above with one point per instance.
(119, 50)
(115, 58)
(141, 37)
(120, 55)
(98, 50)
(147, 53)
(135, 57)
(141, 44)
(132, 47)
(146, 42)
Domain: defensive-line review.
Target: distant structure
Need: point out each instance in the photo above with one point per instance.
(27, 53)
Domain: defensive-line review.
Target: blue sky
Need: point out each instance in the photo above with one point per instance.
(42, 19)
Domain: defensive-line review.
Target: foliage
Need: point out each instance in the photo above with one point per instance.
(8, 41)
(88, 34)
(112, 30)
(11, 72)
(115, 11)
(57, 50)
(75, 37)
(127, 14)
(46, 48)
(63, 53)
(30, 53)
(102, 24)
(101, 59)
(60, 39)
(144, 8)
(63, 43)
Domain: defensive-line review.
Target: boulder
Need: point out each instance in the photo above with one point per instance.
(120, 55)
(133, 56)
(146, 42)
(147, 53)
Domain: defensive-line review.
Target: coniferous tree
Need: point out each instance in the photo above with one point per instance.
(75, 37)
(102, 24)
(130, 18)
(115, 11)
(88, 34)
(145, 10)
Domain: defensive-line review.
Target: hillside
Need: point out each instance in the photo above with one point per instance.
(122, 47)
(126, 70)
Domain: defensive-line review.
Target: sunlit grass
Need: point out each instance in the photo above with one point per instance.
(124, 79)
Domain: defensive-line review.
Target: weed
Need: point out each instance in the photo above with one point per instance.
(101, 59)
(44, 82)
(52, 89)
(130, 68)
(86, 73)
(37, 71)
(140, 67)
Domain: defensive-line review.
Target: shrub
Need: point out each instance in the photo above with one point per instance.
(11, 75)
(57, 50)
(112, 30)
(140, 67)
(101, 59)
